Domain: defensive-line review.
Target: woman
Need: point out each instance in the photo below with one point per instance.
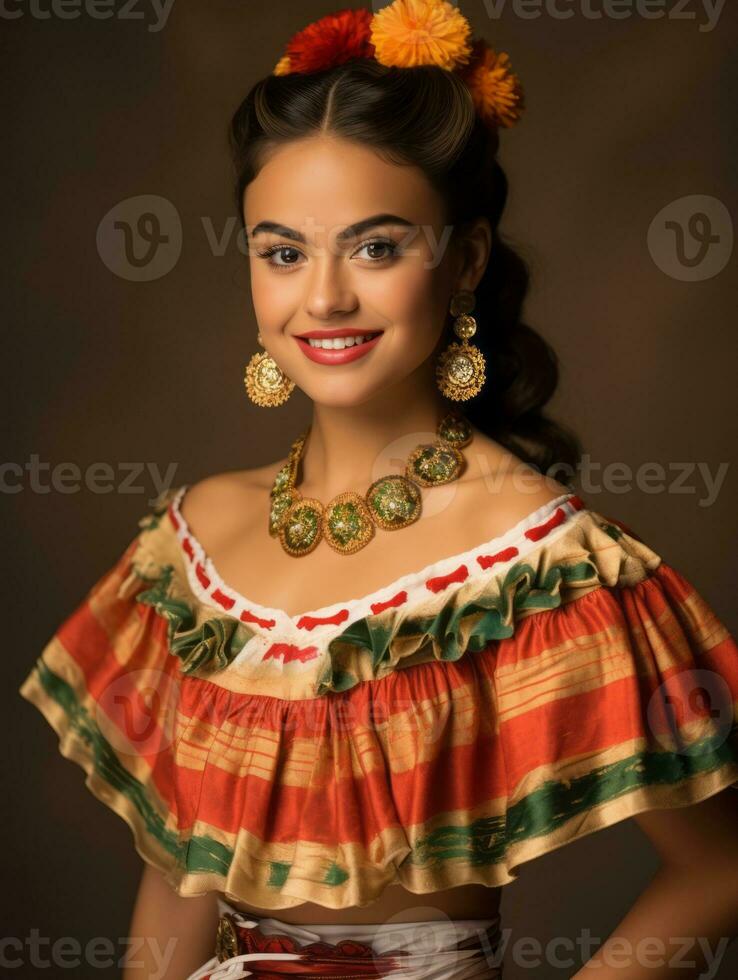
(367, 655)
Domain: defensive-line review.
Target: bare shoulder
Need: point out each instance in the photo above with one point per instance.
(501, 489)
(218, 505)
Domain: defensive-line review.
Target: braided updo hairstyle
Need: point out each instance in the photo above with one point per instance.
(425, 116)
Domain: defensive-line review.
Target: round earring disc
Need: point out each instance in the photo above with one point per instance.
(265, 382)
(465, 327)
(461, 371)
(462, 302)
(268, 375)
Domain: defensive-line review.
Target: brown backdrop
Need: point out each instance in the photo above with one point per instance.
(625, 117)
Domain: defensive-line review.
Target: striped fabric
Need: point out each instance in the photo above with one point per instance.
(441, 731)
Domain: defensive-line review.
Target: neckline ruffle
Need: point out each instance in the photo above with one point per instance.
(208, 585)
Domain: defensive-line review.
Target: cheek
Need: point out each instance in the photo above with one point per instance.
(271, 304)
(415, 301)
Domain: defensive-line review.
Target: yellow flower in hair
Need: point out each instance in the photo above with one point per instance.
(496, 91)
(283, 66)
(421, 32)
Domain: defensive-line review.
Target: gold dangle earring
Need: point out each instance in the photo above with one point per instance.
(460, 370)
(266, 384)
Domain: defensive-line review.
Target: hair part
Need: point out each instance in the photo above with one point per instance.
(425, 117)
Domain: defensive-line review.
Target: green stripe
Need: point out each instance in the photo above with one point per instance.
(479, 843)
(556, 802)
(196, 854)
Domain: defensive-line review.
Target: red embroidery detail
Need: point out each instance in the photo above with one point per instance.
(258, 942)
(188, 549)
(541, 530)
(249, 617)
(200, 572)
(309, 622)
(576, 502)
(486, 561)
(222, 599)
(440, 582)
(173, 516)
(287, 652)
(396, 600)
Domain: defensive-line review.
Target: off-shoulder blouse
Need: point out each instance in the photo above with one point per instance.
(441, 731)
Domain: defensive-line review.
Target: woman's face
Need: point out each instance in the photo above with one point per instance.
(314, 275)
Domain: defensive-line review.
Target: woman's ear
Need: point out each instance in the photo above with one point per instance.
(473, 249)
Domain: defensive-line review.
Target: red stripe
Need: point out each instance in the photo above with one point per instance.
(541, 530)
(441, 582)
(310, 622)
(486, 561)
(249, 617)
(223, 600)
(393, 603)
(286, 652)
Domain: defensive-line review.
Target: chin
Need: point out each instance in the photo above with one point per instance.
(344, 393)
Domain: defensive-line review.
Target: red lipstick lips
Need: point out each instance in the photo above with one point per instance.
(345, 355)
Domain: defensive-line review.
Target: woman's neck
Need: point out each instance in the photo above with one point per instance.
(349, 448)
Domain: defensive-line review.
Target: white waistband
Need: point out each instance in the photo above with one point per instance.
(382, 935)
(429, 946)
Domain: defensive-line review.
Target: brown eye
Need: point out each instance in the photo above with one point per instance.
(292, 254)
(389, 247)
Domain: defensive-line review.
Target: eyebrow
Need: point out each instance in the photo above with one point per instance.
(351, 231)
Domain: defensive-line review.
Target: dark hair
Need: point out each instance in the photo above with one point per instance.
(425, 116)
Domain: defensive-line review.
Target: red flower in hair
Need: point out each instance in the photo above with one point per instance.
(331, 41)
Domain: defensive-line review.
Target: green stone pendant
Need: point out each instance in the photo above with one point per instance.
(347, 524)
(287, 475)
(455, 430)
(279, 506)
(394, 502)
(301, 528)
(281, 480)
(432, 465)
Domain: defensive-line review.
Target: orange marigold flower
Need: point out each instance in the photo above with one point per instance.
(330, 41)
(496, 90)
(421, 32)
(283, 66)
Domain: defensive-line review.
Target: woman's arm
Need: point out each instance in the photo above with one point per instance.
(684, 920)
(170, 936)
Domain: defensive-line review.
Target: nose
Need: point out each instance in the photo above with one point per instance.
(329, 289)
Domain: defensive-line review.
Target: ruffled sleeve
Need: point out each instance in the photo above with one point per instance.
(585, 681)
(112, 682)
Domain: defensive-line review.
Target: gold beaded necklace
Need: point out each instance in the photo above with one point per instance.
(347, 523)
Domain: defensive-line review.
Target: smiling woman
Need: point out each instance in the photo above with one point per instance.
(468, 667)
